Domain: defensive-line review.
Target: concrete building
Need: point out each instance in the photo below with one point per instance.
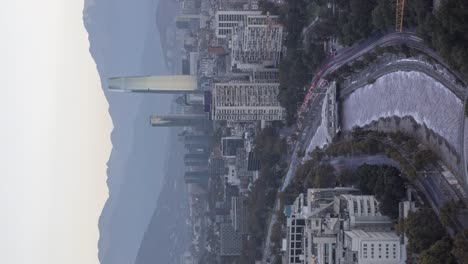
(239, 214)
(200, 177)
(198, 139)
(155, 84)
(238, 5)
(186, 21)
(227, 20)
(246, 102)
(265, 75)
(256, 43)
(196, 159)
(194, 57)
(372, 248)
(338, 226)
(362, 212)
(294, 235)
(197, 120)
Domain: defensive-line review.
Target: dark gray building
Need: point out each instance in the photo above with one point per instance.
(230, 145)
(200, 177)
(230, 241)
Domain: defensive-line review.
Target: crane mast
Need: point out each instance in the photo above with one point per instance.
(400, 7)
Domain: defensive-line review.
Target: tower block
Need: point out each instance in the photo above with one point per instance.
(155, 84)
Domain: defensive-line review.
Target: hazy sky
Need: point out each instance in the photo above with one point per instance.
(54, 135)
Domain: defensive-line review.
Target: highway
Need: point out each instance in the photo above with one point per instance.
(309, 112)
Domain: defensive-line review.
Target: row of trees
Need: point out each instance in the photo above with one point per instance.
(269, 148)
(397, 146)
(385, 182)
(299, 61)
(445, 29)
(428, 238)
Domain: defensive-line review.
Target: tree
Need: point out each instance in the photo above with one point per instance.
(423, 157)
(438, 253)
(383, 15)
(385, 183)
(449, 211)
(460, 246)
(423, 229)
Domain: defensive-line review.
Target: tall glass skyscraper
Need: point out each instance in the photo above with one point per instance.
(155, 84)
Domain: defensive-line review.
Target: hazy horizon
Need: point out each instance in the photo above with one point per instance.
(56, 142)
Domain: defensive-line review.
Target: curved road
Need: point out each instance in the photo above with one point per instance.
(312, 103)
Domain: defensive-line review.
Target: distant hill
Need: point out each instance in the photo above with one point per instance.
(166, 12)
(124, 41)
(166, 236)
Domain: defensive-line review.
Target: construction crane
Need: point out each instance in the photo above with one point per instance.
(400, 8)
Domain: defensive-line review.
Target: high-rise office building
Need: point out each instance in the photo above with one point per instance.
(155, 84)
(200, 177)
(256, 43)
(217, 167)
(178, 120)
(184, 21)
(194, 147)
(198, 139)
(196, 156)
(246, 102)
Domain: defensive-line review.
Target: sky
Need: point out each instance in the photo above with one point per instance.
(54, 136)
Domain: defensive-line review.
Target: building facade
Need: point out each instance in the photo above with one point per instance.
(338, 226)
(256, 43)
(227, 20)
(246, 102)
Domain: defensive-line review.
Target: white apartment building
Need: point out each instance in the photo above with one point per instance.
(256, 43)
(227, 20)
(246, 102)
(372, 248)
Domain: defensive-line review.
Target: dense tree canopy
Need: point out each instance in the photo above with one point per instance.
(385, 183)
(423, 229)
(460, 246)
(438, 253)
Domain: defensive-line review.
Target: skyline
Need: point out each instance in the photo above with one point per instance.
(243, 132)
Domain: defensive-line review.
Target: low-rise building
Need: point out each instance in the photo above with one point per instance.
(339, 226)
(372, 248)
